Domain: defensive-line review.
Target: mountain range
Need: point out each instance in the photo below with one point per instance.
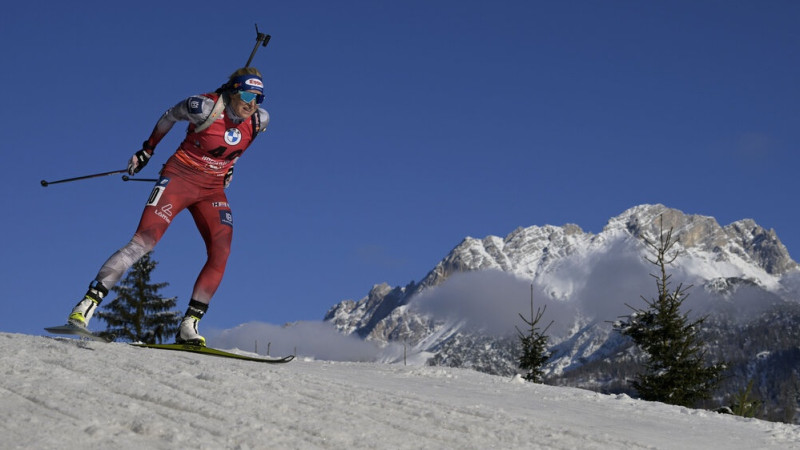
(465, 311)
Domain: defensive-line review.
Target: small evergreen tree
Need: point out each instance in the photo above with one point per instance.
(534, 345)
(675, 371)
(744, 404)
(138, 313)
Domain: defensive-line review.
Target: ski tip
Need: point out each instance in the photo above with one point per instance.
(74, 330)
(61, 329)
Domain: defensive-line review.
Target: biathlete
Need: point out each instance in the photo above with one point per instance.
(222, 125)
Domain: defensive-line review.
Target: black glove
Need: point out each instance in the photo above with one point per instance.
(140, 158)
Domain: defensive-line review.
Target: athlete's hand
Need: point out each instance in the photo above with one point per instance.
(228, 178)
(138, 161)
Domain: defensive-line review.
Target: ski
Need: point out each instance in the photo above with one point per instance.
(78, 331)
(215, 352)
(75, 330)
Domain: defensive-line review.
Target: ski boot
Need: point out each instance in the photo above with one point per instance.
(84, 310)
(187, 332)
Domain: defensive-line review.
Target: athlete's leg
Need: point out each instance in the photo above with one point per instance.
(212, 215)
(169, 197)
(215, 223)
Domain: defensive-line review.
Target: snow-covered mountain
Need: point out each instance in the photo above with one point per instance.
(463, 312)
(562, 261)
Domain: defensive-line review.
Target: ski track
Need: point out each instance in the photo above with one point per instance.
(83, 394)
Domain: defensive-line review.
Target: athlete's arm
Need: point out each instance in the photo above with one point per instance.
(194, 109)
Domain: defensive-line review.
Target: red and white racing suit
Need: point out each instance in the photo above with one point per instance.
(193, 179)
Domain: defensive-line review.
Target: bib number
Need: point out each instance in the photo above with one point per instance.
(158, 190)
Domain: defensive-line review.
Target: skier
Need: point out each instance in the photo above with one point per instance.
(222, 125)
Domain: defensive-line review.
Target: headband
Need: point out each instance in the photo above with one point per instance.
(247, 83)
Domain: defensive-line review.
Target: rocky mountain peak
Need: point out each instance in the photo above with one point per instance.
(742, 239)
(548, 256)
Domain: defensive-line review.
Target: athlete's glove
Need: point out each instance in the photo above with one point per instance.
(140, 158)
(228, 178)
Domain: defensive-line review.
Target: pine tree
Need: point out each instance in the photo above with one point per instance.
(139, 313)
(675, 371)
(534, 346)
(744, 404)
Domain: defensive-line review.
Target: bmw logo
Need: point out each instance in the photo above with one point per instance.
(233, 136)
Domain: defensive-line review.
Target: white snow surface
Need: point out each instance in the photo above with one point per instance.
(61, 393)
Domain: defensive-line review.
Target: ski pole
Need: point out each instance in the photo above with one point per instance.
(127, 178)
(262, 39)
(113, 172)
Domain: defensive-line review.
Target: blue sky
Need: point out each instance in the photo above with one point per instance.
(398, 129)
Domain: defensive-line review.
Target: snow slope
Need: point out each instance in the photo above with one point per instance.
(64, 393)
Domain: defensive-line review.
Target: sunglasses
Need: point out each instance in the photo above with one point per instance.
(248, 97)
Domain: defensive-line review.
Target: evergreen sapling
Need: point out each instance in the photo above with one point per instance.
(675, 370)
(534, 345)
(139, 313)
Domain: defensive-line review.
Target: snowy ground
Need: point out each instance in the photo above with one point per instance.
(65, 393)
